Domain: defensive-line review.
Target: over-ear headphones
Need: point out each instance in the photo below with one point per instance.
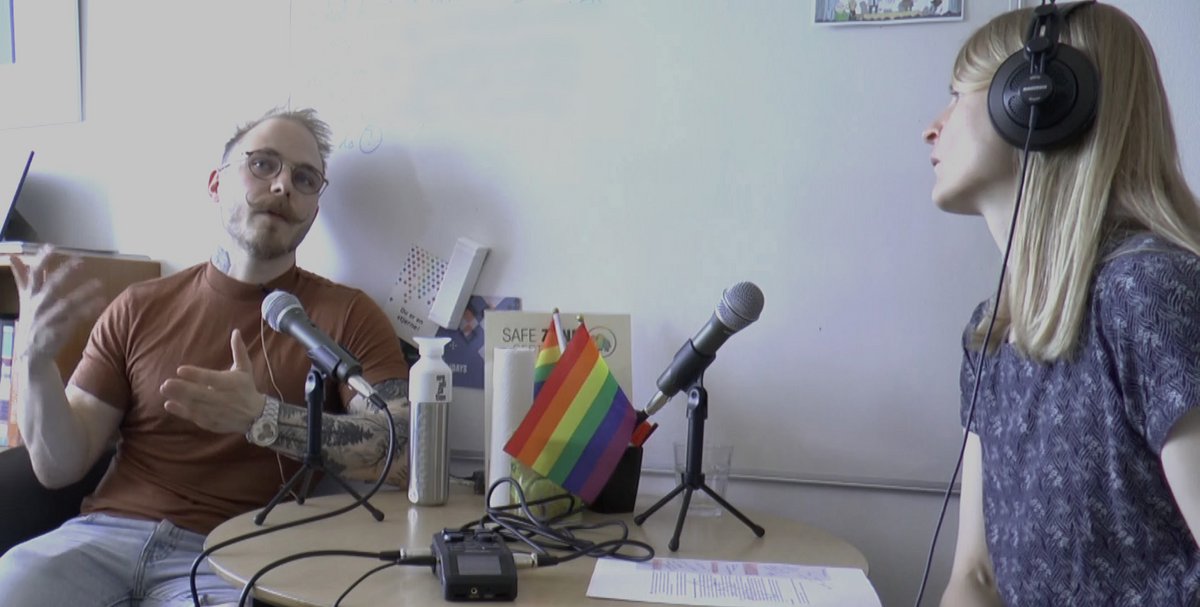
(1057, 79)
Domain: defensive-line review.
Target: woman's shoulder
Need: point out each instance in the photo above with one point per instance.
(1144, 269)
(1145, 257)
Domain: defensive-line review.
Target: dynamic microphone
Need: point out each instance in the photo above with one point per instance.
(740, 305)
(284, 313)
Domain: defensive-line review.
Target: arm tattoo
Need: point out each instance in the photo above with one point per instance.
(353, 444)
(392, 389)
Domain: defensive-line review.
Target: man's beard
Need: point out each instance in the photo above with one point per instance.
(263, 245)
(268, 249)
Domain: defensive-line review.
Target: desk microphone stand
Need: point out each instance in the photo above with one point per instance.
(693, 475)
(314, 397)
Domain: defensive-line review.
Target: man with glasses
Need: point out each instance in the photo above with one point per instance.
(206, 402)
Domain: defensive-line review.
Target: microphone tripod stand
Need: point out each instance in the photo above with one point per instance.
(693, 475)
(314, 397)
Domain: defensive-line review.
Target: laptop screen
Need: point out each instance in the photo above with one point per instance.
(11, 182)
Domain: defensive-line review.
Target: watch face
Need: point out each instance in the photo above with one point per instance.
(265, 434)
(265, 430)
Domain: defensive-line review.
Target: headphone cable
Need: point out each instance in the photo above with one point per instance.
(987, 339)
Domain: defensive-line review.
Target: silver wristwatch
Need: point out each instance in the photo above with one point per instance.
(265, 429)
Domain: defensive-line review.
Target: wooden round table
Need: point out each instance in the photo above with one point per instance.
(317, 582)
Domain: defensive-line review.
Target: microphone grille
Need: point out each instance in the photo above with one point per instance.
(740, 305)
(275, 304)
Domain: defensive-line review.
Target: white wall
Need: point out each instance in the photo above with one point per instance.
(791, 150)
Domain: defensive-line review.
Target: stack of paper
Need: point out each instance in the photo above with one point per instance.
(730, 583)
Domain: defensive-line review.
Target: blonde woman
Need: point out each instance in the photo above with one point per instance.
(1081, 472)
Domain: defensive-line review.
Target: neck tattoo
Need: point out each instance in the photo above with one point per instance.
(220, 259)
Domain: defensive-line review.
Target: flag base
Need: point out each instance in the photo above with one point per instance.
(619, 495)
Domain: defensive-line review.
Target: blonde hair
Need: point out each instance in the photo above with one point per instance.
(306, 117)
(1124, 172)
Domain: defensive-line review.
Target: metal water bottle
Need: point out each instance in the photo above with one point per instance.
(428, 437)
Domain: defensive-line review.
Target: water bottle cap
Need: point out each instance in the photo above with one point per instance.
(431, 346)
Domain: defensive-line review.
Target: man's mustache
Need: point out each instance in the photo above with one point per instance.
(275, 205)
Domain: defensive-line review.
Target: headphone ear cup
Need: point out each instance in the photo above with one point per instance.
(1063, 117)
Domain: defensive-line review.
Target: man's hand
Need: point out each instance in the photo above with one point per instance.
(52, 300)
(226, 402)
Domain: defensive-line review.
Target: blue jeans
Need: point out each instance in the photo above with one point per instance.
(98, 560)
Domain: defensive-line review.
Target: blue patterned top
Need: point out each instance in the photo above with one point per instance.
(1076, 507)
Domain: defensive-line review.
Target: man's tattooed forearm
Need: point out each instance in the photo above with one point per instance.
(392, 389)
(348, 442)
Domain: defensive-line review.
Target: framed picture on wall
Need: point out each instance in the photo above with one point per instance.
(886, 12)
(39, 63)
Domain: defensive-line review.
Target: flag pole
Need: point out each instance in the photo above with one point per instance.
(559, 333)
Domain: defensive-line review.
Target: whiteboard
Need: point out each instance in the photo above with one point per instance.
(639, 157)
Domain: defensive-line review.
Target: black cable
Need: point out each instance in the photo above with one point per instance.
(360, 580)
(987, 339)
(546, 534)
(523, 530)
(248, 587)
(576, 548)
(391, 450)
(396, 558)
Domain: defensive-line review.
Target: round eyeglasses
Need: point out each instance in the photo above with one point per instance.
(266, 165)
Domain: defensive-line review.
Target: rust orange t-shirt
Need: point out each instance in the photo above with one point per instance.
(169, 468)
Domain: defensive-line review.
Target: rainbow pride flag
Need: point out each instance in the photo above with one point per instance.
(580, 423)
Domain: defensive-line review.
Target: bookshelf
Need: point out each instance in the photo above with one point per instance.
(114, 272)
